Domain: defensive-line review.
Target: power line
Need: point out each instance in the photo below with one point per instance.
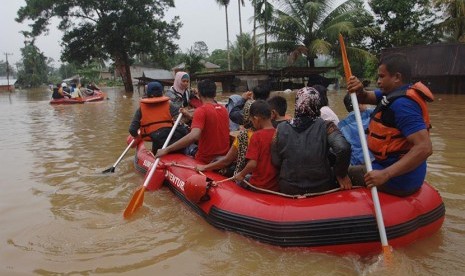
(8, 70)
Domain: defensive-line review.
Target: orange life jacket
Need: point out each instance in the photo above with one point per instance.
(384, 139)
(155, 115)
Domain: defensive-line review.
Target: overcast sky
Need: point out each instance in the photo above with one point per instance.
(203, 21)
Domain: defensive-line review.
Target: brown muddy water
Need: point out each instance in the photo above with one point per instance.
(59, 215)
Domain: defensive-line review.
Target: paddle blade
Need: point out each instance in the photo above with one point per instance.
(387, 254)
(136, 201)
(345, 60)
(109, 170)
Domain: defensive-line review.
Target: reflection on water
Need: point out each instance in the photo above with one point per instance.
(60, 214)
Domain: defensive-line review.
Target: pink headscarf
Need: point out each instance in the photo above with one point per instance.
(177, 85)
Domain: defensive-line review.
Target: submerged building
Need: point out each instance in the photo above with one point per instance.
(439, 66)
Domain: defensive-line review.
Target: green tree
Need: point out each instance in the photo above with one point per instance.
(67, 70)
(219, 57)
(405, 22)
(225, 3)
(193, 61)
(311, 28)
(5, 68)
(34, 69)
(263, 13)
(200, 48)
(454, 22)
(242, 53)
(108, 29)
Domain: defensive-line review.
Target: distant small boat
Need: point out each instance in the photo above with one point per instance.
(95, 97)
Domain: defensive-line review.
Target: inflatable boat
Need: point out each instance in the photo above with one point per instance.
(95, 97)
(340, 222)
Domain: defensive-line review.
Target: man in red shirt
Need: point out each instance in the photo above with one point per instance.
(264, 174)
(210, 127)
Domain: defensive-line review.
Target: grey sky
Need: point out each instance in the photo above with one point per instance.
(203, 21)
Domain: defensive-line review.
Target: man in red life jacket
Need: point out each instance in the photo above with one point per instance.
(398, 133)
(153, 118)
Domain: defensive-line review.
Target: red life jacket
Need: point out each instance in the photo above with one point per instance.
(384, 139)
(155, 115)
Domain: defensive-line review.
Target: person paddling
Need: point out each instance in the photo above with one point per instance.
(153, 118)
(398, 133)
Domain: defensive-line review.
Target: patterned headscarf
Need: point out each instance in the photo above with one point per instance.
(177, 85)
(243, 138)
(246, 116)
(307, 108)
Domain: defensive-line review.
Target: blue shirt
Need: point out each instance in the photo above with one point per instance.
(409, 120)
(348, 127)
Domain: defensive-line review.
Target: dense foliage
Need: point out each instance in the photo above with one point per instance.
(405, 22)
(33, 71)
(107, 29)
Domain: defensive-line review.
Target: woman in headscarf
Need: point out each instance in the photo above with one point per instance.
(237, 151)
(312, 154)
(180, 95)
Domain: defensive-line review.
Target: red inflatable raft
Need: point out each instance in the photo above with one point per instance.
(341, 222)
(97, 96)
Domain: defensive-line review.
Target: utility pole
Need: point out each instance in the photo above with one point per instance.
(8, 70)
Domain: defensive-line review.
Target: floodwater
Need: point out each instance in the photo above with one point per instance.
(59, 215)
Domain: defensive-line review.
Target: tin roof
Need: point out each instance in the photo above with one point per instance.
(444, 59)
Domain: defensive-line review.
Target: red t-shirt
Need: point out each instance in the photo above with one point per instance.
(213, 120)
(265, 174)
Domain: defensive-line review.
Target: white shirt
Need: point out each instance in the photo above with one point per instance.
(328, 115)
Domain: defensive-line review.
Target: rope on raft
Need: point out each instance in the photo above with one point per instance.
(215, 183)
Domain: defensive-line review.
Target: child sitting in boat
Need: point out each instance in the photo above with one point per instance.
(237, 151)
(259, 92)
(278, 106)
(302, 149)
(263, 174)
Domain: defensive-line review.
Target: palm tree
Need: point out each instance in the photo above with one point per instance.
(454, 23)
(309, 28)
(239, 3)
(242, 52)
(225, 3)
(263, 12)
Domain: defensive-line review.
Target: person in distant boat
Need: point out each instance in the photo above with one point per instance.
(92, 86)
(259, 92)
(327, 113)
(349, 129)
(237, 151)
(153, 119)
(278, 106)
(264, 174)
(75, 91)
(89, 89)
(182, 97)
(66, 89)
(59, 93)
(398, 133)
(210, 128)
(56, 94)
(312, 153)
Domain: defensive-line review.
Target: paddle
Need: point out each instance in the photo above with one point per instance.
(138, 197)
(366, 156)
(112, 169)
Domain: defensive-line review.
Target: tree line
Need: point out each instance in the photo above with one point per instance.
(285, 32)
